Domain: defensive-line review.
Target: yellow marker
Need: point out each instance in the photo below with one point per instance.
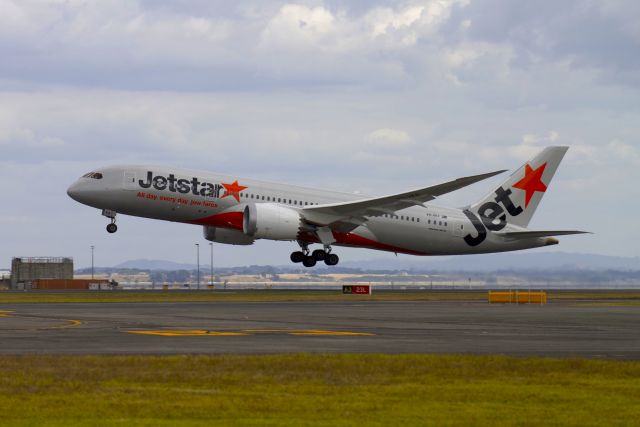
(70, 324)
(186, 333)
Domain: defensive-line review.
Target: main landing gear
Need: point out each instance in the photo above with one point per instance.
(111, 227)
(309, 259)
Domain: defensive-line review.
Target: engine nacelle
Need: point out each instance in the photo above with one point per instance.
(271, 221)
(226, 235)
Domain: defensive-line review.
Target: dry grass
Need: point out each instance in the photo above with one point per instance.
(279, 295)
(335, 390)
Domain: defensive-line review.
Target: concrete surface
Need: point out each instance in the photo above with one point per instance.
(559, 329)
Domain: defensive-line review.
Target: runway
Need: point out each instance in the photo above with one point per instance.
(559, 329)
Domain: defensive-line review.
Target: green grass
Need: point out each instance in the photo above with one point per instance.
(333, 390)
(278, 295)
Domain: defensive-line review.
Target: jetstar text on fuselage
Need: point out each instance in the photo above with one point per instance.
(181, 185)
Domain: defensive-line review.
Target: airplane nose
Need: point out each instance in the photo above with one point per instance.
(73, 191)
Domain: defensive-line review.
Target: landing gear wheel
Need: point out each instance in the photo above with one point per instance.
(297, 256)
(309, 261)
(319, 255)
(112, 228)
(331, 259)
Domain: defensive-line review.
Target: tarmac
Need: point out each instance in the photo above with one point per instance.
(558, 329)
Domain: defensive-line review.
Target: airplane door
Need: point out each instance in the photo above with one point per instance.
(129, 180)
(458, 227)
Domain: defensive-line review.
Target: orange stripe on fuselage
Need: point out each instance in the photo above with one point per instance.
(355, 240)
(233, 220)
(351, 239)
(224, 220)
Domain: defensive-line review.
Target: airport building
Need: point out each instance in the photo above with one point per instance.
(26, 270)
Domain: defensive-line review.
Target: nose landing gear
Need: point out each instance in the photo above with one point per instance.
(111, 227)
(309, 259)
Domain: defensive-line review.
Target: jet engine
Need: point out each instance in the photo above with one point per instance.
(226, 235)
(271, 221)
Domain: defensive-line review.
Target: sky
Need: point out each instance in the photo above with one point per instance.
(370, 97)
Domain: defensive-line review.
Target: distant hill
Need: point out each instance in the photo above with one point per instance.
(155, 264)
(504, 261)
(530, 260)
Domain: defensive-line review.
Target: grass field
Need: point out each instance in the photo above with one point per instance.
(334, 390)
(280, 295)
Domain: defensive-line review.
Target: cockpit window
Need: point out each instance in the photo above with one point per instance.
(93, 175)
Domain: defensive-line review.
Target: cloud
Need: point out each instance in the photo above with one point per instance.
(378, 95)
(623, 151)
(387, 138)
(602, 36)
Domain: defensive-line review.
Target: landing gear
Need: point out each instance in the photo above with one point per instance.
(319, 255)
(297, 256)
(310, 259)
(331, 259)
(111, 227)
(300, 256)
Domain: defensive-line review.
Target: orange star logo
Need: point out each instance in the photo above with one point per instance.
(531, 182)
(233, 190)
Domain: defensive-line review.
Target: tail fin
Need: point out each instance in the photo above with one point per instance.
(518, 197)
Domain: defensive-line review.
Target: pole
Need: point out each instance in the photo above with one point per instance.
(92, 269)
(211, 265)
(198, 257)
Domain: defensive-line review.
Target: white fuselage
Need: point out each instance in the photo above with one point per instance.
(213, 200)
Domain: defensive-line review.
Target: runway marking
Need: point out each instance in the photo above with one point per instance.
(243, 332)
(70, 324)
(186, 333)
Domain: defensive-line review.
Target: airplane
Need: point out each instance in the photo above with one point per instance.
(239, 211)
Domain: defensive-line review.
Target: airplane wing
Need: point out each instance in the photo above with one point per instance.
(355, 213)
(536, 234)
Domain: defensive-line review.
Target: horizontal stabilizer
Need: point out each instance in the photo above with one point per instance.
(536, 234)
